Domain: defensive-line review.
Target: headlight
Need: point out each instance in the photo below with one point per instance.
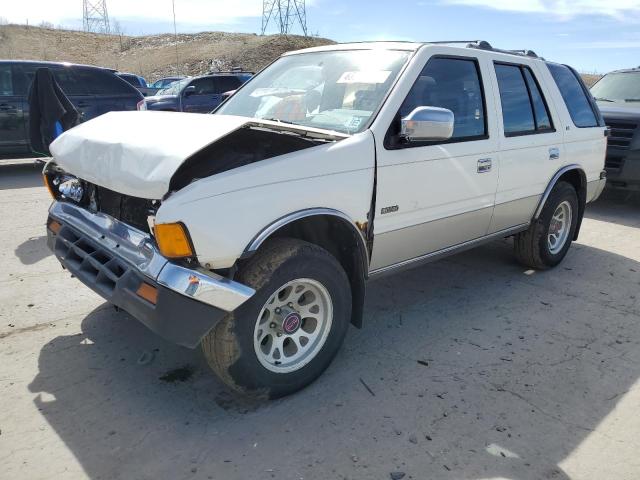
(70, 188)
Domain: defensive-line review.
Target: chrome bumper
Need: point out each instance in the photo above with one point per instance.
(137, 249)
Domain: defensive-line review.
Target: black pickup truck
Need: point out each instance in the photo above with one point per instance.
(618, 96)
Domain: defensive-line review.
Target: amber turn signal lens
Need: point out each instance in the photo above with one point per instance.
(149, 293)
(173, 240)
(54, 226)
(45, 179)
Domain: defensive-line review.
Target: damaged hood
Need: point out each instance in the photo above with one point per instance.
(137, 153)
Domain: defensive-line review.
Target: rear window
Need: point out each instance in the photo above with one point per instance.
(130, 79)
(103, 82)
(574, 95)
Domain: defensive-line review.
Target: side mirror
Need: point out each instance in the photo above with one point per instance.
(427, 124)
(190, 90)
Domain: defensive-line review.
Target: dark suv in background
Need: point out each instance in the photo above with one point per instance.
(618, 96)
(92, 90)
(196, 94)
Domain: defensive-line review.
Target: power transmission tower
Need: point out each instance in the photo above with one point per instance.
(285, 13)
(94, 16)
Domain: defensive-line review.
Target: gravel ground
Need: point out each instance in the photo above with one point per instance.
(468, 368)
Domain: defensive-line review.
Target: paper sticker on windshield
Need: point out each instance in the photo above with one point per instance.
(365, 76)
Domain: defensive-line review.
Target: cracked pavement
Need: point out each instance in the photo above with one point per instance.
(469, 368)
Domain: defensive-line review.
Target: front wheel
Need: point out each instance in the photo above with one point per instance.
(546, 242)
(286, 335)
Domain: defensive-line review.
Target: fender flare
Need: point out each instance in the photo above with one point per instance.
(552, 183)
(273, 227)
(581, 195)
(359, 274)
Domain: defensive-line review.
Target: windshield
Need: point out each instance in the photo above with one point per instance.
(174, 88)
(337, 90)
(621, 87)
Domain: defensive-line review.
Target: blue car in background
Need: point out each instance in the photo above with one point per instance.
(196, 94)
(92, 90)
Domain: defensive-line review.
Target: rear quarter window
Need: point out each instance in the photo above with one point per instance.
(574, 96)
(103, 82)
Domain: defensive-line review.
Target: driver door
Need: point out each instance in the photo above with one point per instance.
(203, 99)
(436, 195)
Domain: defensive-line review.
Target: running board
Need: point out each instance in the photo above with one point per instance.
(445, 252)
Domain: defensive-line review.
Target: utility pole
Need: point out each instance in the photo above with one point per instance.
(285, 14)
(95, 17)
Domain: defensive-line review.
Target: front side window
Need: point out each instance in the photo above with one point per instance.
(204, 86)
(574, 96)
(524, 109)
(454, 84)
(333, 90)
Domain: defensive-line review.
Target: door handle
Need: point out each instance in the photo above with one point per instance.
(5, 107)
(484, 165)
(554, 153)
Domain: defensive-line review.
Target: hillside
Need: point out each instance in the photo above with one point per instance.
(152, 56)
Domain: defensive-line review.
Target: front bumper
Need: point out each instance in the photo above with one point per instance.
(623, 169)
(115, 259)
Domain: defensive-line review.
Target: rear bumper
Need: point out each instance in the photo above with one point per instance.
(114, 260)
(595, 188)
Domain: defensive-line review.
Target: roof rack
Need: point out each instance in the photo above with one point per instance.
(484, 45)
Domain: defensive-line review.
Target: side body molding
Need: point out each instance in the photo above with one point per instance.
(292, 217)
(552, 184)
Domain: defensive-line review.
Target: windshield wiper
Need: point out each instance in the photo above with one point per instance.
(279, 121)
(602, 99)
(632, 99)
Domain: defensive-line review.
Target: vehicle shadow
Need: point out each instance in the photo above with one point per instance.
(616, 206)
(33, 250)
(472, 367)
(24, 174)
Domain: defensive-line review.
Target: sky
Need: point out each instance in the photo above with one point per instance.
(594, 36)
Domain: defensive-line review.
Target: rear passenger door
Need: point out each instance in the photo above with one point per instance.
(434, 195)
(204, 98)
(531, 146)
(12, 129)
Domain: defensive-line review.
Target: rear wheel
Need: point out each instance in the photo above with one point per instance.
(548, 239)
(286, 335)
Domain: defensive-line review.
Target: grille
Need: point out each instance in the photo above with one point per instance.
(87, 260)
(130, 210)
(614, 162)
(621, 134)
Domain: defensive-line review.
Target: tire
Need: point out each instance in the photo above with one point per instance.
(233, 349)
(534, 247)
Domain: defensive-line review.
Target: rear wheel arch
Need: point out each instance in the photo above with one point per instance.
(575, 176)
(335, 232)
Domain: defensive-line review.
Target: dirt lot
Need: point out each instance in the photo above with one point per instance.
(469, 368)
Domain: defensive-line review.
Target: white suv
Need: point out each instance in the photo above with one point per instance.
(253, 231)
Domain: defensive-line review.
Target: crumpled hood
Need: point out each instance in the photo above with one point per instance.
(137, 153)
